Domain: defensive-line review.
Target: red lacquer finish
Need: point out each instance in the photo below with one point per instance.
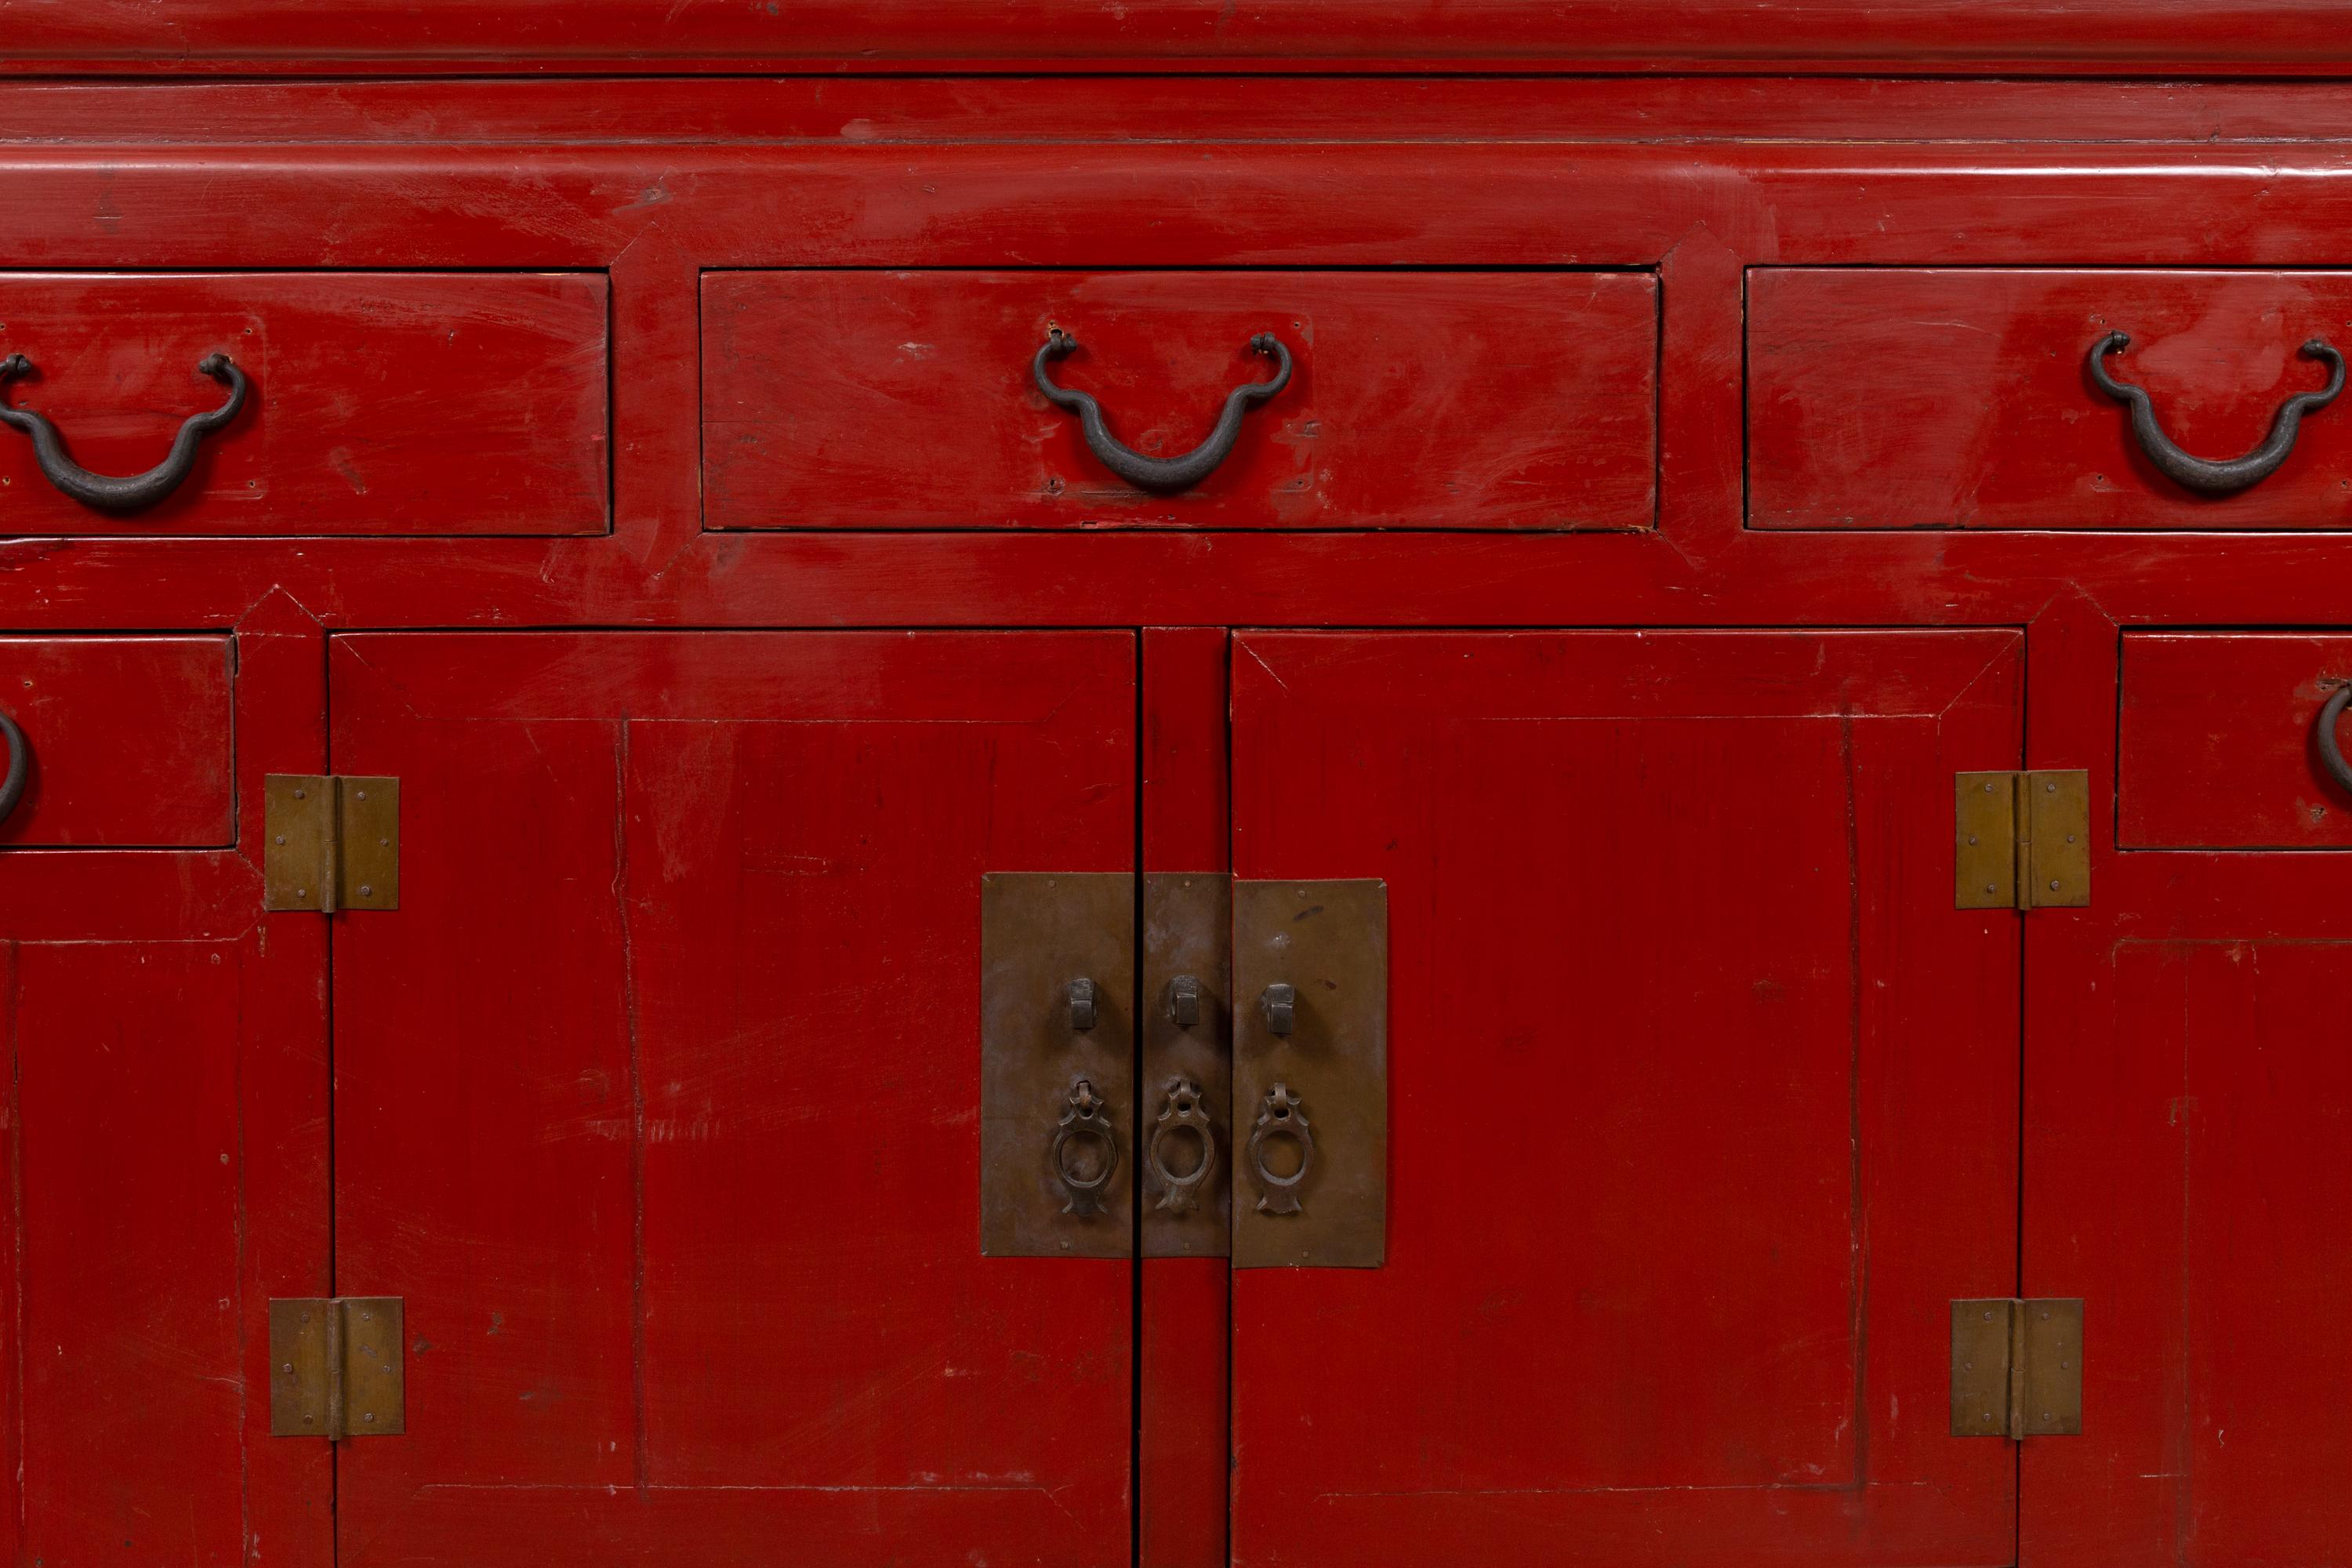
(1702, 1096)
(1162, 35)
(1416, 400)
(728, 602)
(662, 1124)
(130, 740)
(380, 402)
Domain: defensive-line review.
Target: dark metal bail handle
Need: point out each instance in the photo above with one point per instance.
(2199, 474)
(2324, 731)
(129, 492)
(1086, 1116)
(1281, 1115)
(1166, 474)
(20, 758)
(1181, 1109)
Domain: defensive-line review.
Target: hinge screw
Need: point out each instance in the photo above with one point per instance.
(299, 795)
(362, 794)
(281, 838)
(370, 1416)
(366, 891)
(2054, 885)
(289, 1366)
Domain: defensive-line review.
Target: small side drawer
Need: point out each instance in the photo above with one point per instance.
(2217, 747)
(131, 741)
(1961, 397)
(381, 403)
(1437, 400)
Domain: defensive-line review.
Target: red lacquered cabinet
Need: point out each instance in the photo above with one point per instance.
(894, 785)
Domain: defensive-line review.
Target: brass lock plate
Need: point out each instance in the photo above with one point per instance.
(1187, 1137)
(1310, 1099)
(1057, 1145)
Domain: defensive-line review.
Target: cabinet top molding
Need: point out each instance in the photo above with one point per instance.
(2277, 37)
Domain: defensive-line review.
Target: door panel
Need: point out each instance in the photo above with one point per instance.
(2184, 1128)
(163, 1138)
(659, 1101)
(1702, 1099)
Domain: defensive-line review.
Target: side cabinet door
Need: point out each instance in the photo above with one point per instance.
(164, 1135)
(1703, 1099)
(2186, 1118)
(659, 1101)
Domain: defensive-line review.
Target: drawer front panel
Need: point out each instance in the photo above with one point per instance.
(1418, 400)
(130, 740)
(1959, 398)
(2218, 745)
(380, 402)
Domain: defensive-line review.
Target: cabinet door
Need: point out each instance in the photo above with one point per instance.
(165, 1092)
(2186, 1123)
(1703, 1099)
(658, 1099)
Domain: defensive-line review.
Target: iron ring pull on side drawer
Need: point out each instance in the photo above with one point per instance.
(127, 492)
(2324, 731)
(20, 757)
(2199, 474)
(1165, 474)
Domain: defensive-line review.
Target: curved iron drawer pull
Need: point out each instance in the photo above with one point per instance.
(1161, 473)
(127, 492)
(1280, 1116)
(2198, 473)
(20, 756)
(2324, 731)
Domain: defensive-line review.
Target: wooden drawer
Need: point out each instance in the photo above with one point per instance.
(2217, 747)
(380, 402)
(1452, 400)
(1959, 398)
(130, 740)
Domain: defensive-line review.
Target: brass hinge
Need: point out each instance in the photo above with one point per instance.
(2021, 841)
(337, 1368)
(2017, 1369)
(335, 843)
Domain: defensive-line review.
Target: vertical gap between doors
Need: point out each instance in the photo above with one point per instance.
(1138, 751)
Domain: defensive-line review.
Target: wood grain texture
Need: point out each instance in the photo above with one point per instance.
(381, 403)
(662, 1116)
(131, 740)
(1419, 400)
(1161, 35)
(1702, 1098)
(2216, 744)
(1072, 109)
(1959, 399)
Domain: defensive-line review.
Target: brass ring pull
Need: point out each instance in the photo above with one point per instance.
(20, 757)
(2324, 731)
(1166, 474)
(2199, 474)
(1280, 1117)
(1182, 1111)
(1086, 1118)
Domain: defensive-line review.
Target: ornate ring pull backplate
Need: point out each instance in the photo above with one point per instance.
(1280, 1116)
(2324, 733)
(1086, 1119)
(127, 492)
(1181, 1112)
(20, 758)
(2203, 475)
(1163, 474)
